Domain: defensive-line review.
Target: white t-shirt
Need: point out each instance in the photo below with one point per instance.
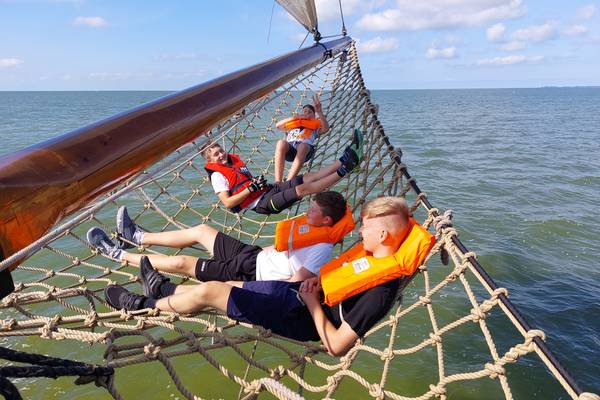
(295, 136)
(221, 184)
(274, 265)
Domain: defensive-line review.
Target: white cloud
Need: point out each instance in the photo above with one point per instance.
(438, 14)
(513, 46)
(330, 9)
(576, 30)
(378, 45)
(586, 12)
(10, 62)
(94, 22)
(448, 52)
(509, 60)
(495, 33)
(537, 33)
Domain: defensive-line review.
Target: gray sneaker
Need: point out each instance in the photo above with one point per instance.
(127, 230)
(99, 240)
(152, 280)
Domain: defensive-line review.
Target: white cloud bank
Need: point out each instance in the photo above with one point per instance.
(509, 60)
(576, 30)
(10, 62)
(536, 33)
(93, 22)
(495, 33)
(378, 45)
(410, 15)
(513, 46)
(447, 52)
(587, 12)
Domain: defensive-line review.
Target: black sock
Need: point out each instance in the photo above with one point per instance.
(167, 288)
(148, 303)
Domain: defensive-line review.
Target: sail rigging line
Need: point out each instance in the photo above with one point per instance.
(271, 22)
(344, 31)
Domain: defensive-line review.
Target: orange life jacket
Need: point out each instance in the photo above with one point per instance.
(309, 126)
(238, 176)
(356, 270)
(296, 233)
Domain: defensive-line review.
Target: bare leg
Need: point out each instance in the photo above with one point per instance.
(184, 288)
(185, 265)
(301, 151)
(208, 294)
(322, 173)
(280, 151)
(201, 234)
(317, 186)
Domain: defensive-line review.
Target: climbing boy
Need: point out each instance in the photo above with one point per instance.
(238, 189)
(302, 131)
(392, 248)
(326, 222)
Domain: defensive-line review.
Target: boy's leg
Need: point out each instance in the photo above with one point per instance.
(322, 173)
(201, 234)
(185, 265)
(198, 297)
(317, 186)
(302, 150)
(280, 150)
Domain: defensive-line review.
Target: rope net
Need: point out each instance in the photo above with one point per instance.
(59, 291)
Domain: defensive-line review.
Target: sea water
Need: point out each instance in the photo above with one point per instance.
(520, 168)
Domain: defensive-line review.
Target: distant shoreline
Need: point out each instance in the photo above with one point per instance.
(379, 90)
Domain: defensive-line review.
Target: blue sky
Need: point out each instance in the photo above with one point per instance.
(171, 45)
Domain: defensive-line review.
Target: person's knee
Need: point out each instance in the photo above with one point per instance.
(179, 264)
(303, 190)
(206, 292)
(282, 146)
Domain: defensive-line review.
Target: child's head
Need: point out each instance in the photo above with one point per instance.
(384, 223)
(326, 209)
(213, 152)
(308, 111)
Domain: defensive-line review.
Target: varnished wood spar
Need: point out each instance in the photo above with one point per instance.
(43, 183)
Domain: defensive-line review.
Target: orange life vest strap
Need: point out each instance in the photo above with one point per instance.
(296, 233)
(355, 270)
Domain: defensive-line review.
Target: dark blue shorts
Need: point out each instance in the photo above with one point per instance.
(274, 305)
(292, 151)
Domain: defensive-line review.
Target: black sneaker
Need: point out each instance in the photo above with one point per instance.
(151, 279)
(121, 298)
(127, 230)
(352, 155)
(99, 240)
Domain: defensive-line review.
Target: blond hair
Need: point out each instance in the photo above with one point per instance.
(207, 147)
(383, 206)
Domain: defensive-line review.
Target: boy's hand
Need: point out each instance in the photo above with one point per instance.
(317, 104)
(311, 285)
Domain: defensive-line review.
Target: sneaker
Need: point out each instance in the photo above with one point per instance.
(121, 298)
(352, 155)
(99, 240)
(151, 279)
(127, 230)
(358, 140)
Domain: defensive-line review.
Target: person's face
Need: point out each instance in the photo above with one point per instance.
(308, 113)
(370, 232)
(314, 215)
(217, 155)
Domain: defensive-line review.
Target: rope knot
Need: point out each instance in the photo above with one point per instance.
(76, 261)
(494, 370)
(533, 333)
(7, 325)
(50, 274)
(435, 338)
(387, 354)
(376, 391)
(253, 387)
(151, 351)
(477, 314)
(91, 319)
(437, 390)
(424, 300)
(498, 291)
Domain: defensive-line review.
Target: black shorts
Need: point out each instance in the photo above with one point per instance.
(233, 261)
(291, 153)
(274, 305)
(279, 197)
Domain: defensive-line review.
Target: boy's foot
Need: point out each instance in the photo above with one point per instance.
(127, 230)
(121, 298)
(152, 280)
(352, 155)
(99, 240)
